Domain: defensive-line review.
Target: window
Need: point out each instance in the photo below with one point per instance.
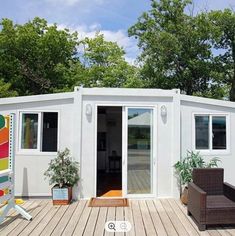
(29, 138)
(211, 132)
(219, 132)
(39, 131)
(50, 128)
(202, 132)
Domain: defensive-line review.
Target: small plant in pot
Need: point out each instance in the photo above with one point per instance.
(63, 174)
(184, 169)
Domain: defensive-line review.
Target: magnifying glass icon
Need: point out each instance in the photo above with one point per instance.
(111, 226)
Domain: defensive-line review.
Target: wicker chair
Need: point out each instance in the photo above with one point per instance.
(210, 200)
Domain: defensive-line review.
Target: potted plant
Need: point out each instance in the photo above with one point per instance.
(63, 174)
(184, 169)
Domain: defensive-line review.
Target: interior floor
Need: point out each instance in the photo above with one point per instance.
(109, 184)
(109, 152)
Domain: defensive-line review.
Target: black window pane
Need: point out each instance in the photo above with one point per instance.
(50, 132)
(219, 132)
(202, 132)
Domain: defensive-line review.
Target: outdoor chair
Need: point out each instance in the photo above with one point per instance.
(210, 200)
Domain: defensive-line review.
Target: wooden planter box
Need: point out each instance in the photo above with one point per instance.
(61, 196)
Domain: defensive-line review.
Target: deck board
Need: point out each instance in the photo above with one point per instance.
(159, 227)
(91, 224)
(18, 221)
(138, 220)
(110, 217)
(147, 220)
(183, 218)
(45, 221)
(70, 227)
(120, 216)
(174, 219)
(24, 223)
(170, 229)
(129, 217)
(12, 217)
(65, 219)
(165, 217)
(54, 221)
(99, 229)
(33, 224)
(80, 227)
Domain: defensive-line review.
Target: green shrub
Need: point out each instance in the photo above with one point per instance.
(184, 168)
(62, 171)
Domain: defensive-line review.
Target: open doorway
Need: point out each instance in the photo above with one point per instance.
(109, 151)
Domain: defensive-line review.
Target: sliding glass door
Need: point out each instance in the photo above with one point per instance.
(139, 158)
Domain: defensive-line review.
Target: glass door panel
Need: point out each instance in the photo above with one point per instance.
(139, 151)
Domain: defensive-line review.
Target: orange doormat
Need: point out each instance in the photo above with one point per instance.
(113, 193)
(104, 202)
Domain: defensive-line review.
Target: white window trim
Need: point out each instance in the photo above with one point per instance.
(38, 151)
(211, 151)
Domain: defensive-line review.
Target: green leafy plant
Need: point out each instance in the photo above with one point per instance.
(184, 168)
(62, 171)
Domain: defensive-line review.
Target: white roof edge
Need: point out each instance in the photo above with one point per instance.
(36, 98)
(129, 92)
(210, 101)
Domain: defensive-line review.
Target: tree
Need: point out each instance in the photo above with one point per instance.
(103, 65)
(37, 58)
(31, 56)
(5, 90)
(223, 39)
(176, 50)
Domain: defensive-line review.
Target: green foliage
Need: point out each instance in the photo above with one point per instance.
(62, 171)
(102, 65)
(195, 53)
(5, 90)
(31, 53)
(175, 52)
(180, 50)
(216, 91)
(185, 167)
(38, 58)
(223, 38)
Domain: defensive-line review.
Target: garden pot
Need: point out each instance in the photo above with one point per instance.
(184, 196)
(61, 196)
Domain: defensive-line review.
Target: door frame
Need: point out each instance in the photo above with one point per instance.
(153, 151)
(95, 141)
(125, 107)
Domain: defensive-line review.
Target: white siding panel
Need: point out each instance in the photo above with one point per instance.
(187, 110)
(29, 168)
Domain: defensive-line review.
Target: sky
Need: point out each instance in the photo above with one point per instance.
(110, 17)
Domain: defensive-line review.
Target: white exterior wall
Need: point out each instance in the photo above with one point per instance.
(77, 131)
(29, 168)
(188, 108)
(165, 150)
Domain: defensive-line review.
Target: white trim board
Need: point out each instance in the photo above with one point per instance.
(36, 98)
(207, 101)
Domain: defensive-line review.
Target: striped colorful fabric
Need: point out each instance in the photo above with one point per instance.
(4, 137)
(4, 148)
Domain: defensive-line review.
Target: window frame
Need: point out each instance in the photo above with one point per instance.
(211, 151)
(37, 151)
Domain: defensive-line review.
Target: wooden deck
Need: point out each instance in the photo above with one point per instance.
(148, 217)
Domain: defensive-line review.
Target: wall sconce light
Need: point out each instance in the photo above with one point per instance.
(88, 109)
(163, 111)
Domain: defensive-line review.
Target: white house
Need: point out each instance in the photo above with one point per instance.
(126, 140)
